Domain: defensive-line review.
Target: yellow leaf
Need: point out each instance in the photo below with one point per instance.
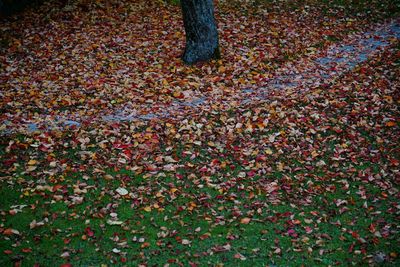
(108, 177)
(314, 154)
(148, 208)
(178, 94)
(32, 162)
(279, 166)
(31, 168)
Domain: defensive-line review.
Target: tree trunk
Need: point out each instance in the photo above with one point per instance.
(201, 31)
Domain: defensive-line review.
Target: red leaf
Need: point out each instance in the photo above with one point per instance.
(351, 248)
(89, 232)
(26, 250)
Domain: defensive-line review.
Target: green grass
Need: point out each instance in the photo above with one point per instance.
(257, 241)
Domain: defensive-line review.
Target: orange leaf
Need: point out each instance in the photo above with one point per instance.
(8, 231)
(145, 245)
(245, 220)
(221, 69)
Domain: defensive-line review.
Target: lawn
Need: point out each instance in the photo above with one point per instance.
(301, 178)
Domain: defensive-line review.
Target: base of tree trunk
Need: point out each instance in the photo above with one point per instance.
(201, 31)
(199, 52)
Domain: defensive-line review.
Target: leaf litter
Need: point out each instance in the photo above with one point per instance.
(305, 173)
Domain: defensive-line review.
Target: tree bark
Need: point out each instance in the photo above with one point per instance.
(201, 31)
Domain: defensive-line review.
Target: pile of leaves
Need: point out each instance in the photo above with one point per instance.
(85, 59)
